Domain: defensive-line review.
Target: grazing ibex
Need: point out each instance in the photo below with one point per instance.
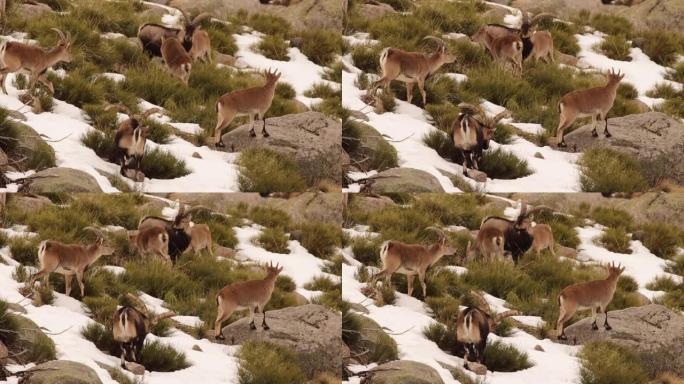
(411, 259)
(542, 236)
(130, 139)
(177, 59)
(411, 67)
(178, 229)
(130, 326)
(252, 102)
(151, 35)
(473, 326)
(517, 236)
(507, 48)
(15, 56)
(151, 240)
(69, 259)
(595, 102)
(472, 131)
(252, 294)
(201, 46)
(490, 243)
(200, 238)
(594, 295)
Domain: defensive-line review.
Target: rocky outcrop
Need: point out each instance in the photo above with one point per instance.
(311, 138)
(372, 338)
(311, 331)
(30, 203)
(62, 372)
(397, 180)
(653, 331)
(66, 180)
(369, 203)
(26, 11)
(38, 346)
(372, 11)
(373, 152)
(404, 372)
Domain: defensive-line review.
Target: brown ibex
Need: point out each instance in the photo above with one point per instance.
(130, 139)
(472, 131)
(152, 240)
(489, 242)
(151, 35)
(177, 59)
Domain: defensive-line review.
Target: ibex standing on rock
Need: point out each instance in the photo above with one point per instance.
(411, 67)
(69, 259)
(252, 294)
(16, 56)
(411, 259)
(252, 102)
(594, 295)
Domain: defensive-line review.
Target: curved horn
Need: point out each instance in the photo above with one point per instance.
(60, 33)
(150, 111)
(201, 17)
(439, 232)
(525, 17)
(540, 16)
(137, 304)
(196, 209)
(439, 41)
(156, 319)
(97, 231)
(501, 115)
(483, 304)
(119, 107)
(501, 316)
(534, 210)
(523, 209)
(185, 15)
(473, 109)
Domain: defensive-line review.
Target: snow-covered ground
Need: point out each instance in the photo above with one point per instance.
(213, 171)
(215, 363)
(555, 172)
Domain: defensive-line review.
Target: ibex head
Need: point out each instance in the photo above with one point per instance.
(444, 246)
(442, 52)
(189, 26)
(487, 123)
(64, 45)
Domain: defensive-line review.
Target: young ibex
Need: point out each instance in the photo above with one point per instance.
(252, 294)
(130, 139)
(526, 32)
(130, 327)
(151, 240)
(15, 56)
(178, 229)
(200, 238)
(411, 259)
(489, 242)
(201, 46)
(473, 326)
(542, 236)
(252, 102)
(595, 102)
(69, 259)
(594, 295)
(151, 35)
(507, 48)
(472, 131)
(177, 59)
(411, 67)
(517, 236)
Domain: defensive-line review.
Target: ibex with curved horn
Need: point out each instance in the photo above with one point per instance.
(473, 326)
(130, 139)
(411, 67)
(70, 259)
(15, 56)
(472, 131)
(411, 259)
(151, 35)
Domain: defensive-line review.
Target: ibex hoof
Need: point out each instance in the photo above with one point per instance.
(252, 326)
(266, 134)
(594, 133)
(608, 327)
(594, 327)
(608, 134)
(252, 133)
(266, 327)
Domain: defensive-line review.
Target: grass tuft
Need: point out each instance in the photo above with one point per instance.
(264, 171)
(607, 171)
(606, 363)
(282, 365)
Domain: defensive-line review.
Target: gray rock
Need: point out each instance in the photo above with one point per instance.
(313, 139)
(63, 180)
(381, 347)
(28, 143)
(477, 368)
(30, 203)
(566, 251)
(222, 58)
(374, 11)
(398, 180)
(653, 331)
(39, 347)
(30, 11)
(404, 372)
(370, 203)
(311, 331)
(62, 372)
(135, 368)
(374, 152)
(651, 136)
(567, 59)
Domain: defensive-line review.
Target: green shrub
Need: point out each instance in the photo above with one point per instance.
(101, 308)
(320, 239)
(387, 295)
(661, 46)
(320, 46)
(366, 250)
(611, 24)
(269, 217)
(604, 363)
(101, 337)
(606, 170)
(273, 240)
(101, 143)
(661, 238)
(263, 170)
(501, 164)
(613, 217)
(283, 366)
(677, 73)
(161, 164)
(274, 47)
(615, 240)
(24, 250)
(616, 47)
(159, 279)
(269, 24)
(443, 336)
(222, 39)
(8, 325)
(351, 325)
(160, 357)
(501, 357)
(78, 88)
(47, 296)
(444, 308)
(366, 58)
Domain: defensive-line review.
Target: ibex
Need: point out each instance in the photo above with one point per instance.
(472, 131)
(507, 48)
(252, 102)
(490, 243)
(201, 46)
(177, 59)
(177, 229)
(151, 240)
(130, 327)
(252, 294)
(473, 326)
(130, 139)
(594, 295)
(15, 56)
(411, 67)
(411, 259)
(69, 259)
(517, 236)
(595, 102)
(542, 236)
(200, 238)
(151, 35)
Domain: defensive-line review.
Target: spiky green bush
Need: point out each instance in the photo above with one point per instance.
(283, 366)
(606, 170)
(263, 170)
(605, 362)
